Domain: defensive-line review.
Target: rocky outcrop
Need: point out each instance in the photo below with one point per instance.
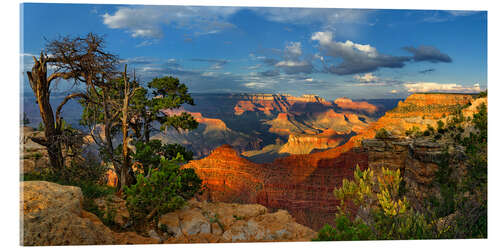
(421, 110)
(274, 103)
(285, 124)
(211, 133)
(34, 157)
(304, 144)
(417, 159)
(202, 222)
(350, 105)
(472, 109)
(52, 215)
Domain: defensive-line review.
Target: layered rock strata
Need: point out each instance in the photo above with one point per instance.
(303, 184)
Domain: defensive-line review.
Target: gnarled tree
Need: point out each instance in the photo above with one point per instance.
(81, 59)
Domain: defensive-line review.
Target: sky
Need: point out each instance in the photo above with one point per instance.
(357, 53)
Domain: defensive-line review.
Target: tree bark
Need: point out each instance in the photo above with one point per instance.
(127, 177)
(41, 87)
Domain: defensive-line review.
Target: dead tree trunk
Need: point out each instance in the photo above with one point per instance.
(41, 87)
(127, 177)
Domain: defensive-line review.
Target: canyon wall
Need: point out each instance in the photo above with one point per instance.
(421, 110)
(303, 184)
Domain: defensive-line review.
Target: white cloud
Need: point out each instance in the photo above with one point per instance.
(293, 50)
(147, 21)
(255, 85)
(291, 64)
(440, 87)
(292, 61)
(356, 58)
(368, 77)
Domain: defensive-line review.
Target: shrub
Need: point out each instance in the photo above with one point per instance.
(382, 134)
(149, 154)
(483, 94)
(166, 189)
(382, 213)
(345, 229)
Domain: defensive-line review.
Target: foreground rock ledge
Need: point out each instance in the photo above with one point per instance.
(52, 215)
(204, 222)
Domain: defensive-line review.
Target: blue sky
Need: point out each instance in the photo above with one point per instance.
(356, 53)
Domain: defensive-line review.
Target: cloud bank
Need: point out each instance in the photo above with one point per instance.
(440, 87)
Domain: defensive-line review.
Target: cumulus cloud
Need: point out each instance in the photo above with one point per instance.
(441, 87)
(356, 58)
(291, 62)
(295, 67)
(428, 53)
(147, 21)
(293, 50)
(366, 78)
(255, 85)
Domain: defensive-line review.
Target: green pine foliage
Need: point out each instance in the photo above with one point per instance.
(166, 188)
(149, 154)
(382, 134)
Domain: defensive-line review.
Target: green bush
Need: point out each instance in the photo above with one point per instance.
(166, 189)
(345, 229)
(149, 154)
(386, 213)
(382, 134)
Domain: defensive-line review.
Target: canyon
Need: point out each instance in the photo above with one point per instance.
(292, 191)
(253, 123)
(303, 183)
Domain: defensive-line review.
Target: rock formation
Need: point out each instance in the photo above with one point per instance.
(52, 215)
(211, 133)
(274, 103)
(420, 110)
(303, 184)
(304, 144)
(350, 105)
(202, 222)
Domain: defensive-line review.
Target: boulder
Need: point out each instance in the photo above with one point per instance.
(204, 222)
(52, 215)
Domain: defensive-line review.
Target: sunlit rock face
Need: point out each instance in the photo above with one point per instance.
(204, 222)
(421, 110)
(52, 215)
(303, 184)
(275, 103)
(348, 104)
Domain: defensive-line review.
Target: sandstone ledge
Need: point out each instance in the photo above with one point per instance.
(202, 222)
(52, 214)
